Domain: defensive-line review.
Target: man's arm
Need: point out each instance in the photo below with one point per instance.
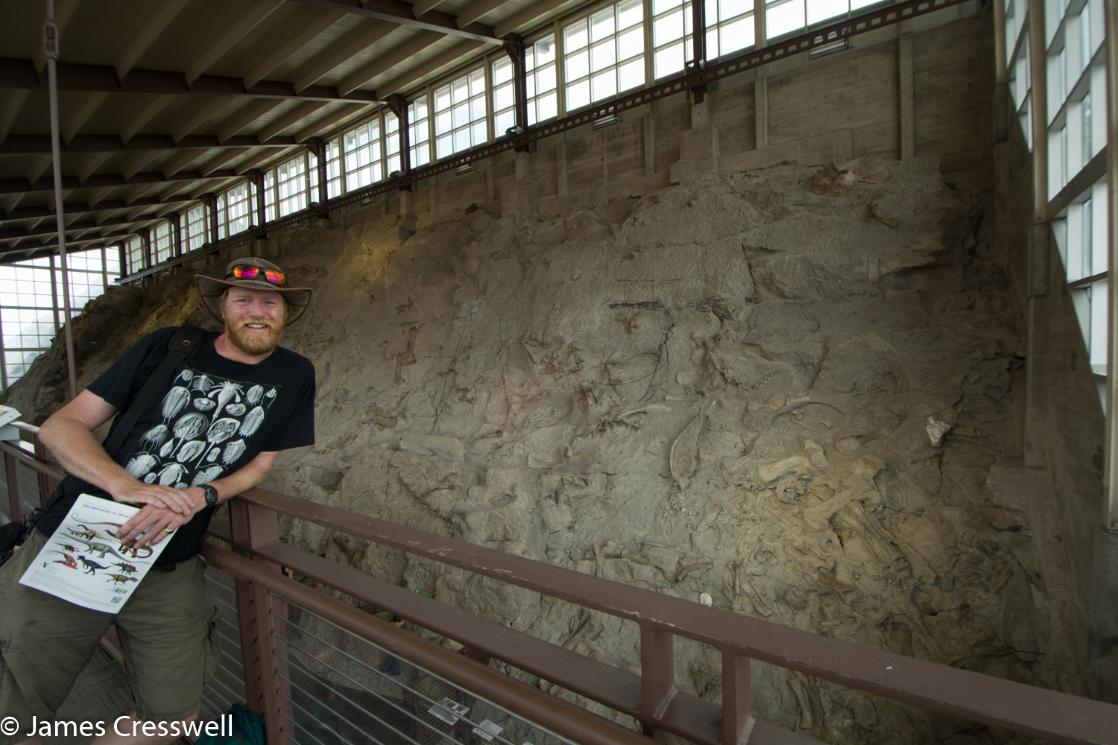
(68, 434)
(151, 523)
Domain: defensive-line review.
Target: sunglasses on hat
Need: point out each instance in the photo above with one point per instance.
(248, 271)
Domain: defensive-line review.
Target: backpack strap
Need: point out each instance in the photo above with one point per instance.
(182, 346)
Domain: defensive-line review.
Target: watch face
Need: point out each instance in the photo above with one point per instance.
(211, 494)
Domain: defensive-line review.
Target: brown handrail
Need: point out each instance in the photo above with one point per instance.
(650, 697)
(1013, 706)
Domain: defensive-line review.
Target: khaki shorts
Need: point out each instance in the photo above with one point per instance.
(166, 629)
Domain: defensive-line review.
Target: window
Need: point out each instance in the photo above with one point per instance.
(791, 16)
(540, 69)
(671, 36)
(31, 298)
(134, 250)
(269, 196)
(603, 54)
(730, 26)
(460, 113)
(291, 185)
(504, 98)
(334, 168)
(362, 156)
(392, 144)
(419, 132)
(237, 204)
(194, 229)
(161, 242)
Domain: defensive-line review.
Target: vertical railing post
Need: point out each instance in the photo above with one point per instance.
(15, 508)
(737, 698)
(657, 675)
(46, 483)
(262, 620)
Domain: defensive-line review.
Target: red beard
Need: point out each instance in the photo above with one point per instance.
(254, 341)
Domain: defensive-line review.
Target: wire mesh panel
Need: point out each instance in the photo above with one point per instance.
(345, 689)
(228, 684)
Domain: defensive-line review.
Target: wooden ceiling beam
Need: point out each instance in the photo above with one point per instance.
(24, 144)
(403, 14)
(18, 74)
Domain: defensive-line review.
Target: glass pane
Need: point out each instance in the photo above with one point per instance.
(629, 13)
(784, 18)
(736, 35)
(668, 60)
(668, 28)
(631, 43)
(578, 95)
(578, 65)
(575, 37)
(602, 55)
(603, 85)
(818, 10)
(631, 74)
(601, 25)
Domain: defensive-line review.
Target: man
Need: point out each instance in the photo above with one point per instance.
(223, 416)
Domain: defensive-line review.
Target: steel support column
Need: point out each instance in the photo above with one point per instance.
(176, 234)
(698, 46)
(145, 236)
(1110, 478)
(257, 178)
(210, 201)
(514, 48)
(318, 147)
(399, 106)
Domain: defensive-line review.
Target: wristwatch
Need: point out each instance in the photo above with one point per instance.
(210, 493)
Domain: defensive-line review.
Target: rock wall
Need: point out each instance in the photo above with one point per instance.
(785, 389)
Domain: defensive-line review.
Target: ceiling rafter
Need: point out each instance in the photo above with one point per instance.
(474, 11)
(97, 180)
(20, 74)
(44, 248)
(445, 59)
(78, 226)
(423, 7)
(387, 61)
(228, 39)
(156, 24)
(195, 114)
(284, 49)
(334, 118)
(355, 40)
(23, 144)
(244, 117)
(532, 13)
(289, 118)
(79, 208)
(402, 13)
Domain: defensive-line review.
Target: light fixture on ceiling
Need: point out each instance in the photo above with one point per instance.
(464, 168)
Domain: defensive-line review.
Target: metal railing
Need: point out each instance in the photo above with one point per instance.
(284, 681)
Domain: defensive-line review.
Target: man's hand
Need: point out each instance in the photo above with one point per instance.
(131, 491)
(152, 523)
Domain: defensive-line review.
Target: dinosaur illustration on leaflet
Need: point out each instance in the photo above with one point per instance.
(120, 579)
(91, 566)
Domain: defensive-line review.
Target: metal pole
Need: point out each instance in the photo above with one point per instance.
(50, 48)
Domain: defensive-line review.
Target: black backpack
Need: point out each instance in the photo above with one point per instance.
(182, 347)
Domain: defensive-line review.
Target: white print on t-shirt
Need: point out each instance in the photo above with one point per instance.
(207, 422)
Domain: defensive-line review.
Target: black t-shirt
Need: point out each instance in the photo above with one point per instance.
(215, 416)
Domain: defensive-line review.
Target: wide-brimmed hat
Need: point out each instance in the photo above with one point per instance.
(253, 273)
